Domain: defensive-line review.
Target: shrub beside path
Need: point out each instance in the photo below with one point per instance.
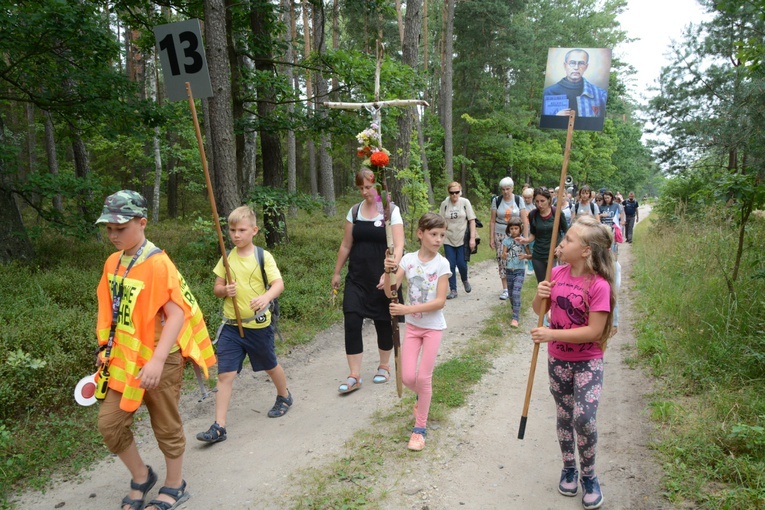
(473, 459)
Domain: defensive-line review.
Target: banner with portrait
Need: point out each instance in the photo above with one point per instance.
(576, 78)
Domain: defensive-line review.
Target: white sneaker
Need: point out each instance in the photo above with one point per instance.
(504, 295)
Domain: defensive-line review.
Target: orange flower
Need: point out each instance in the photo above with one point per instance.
(379, 159)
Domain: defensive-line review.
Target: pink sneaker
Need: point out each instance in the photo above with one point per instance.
(514, 324)
(417, 441)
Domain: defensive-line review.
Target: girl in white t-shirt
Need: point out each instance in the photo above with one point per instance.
(427, 276)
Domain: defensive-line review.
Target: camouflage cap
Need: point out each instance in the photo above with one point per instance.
(123, 206)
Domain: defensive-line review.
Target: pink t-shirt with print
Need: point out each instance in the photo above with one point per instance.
(573, 298)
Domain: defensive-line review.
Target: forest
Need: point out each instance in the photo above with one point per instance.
(84, 111)
(84, 107)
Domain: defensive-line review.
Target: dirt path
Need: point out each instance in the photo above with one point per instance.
(472, 460)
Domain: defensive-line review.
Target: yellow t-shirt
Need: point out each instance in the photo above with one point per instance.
(246, 272)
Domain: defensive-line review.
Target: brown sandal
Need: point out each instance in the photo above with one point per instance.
(382, 375)
(352, 383)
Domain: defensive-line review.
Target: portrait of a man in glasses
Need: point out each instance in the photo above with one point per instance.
(573, 91)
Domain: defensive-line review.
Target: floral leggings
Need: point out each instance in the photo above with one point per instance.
(576, 386)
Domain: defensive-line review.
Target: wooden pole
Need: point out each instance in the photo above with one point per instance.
(550, 258)
(210, 195)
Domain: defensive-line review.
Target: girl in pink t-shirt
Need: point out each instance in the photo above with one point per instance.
(580, 298)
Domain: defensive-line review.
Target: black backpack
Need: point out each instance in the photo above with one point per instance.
(496, 199)
(274, 308)
(630, 208)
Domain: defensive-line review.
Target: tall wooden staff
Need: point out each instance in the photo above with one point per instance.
(211, 196)
(375, 109)
(550, 258)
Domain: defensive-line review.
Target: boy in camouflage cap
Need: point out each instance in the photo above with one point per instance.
(122, 207)
(148, 322)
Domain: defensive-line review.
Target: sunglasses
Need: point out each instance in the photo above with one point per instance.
(455, 192)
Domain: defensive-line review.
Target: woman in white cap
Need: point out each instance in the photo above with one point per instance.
(504, 207)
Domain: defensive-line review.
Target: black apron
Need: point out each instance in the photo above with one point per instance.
(366, 263)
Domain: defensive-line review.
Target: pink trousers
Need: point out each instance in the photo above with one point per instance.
(423, 344)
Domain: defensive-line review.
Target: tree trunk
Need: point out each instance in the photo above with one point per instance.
(152, 71)
(424, 157)
(409, 52)
(425, 39)
(334, 94)
(262, 18)
(327, 178)
(172, 189)
(31, 141)
(250, 161)
(446, 91)
(82, 170)
(289, 57)
(50, 151)
(221, 127)
(310, 146)
(14, 242)
(237, 98)
(400, 22)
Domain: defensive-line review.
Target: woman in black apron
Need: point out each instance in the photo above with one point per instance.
(364, 247)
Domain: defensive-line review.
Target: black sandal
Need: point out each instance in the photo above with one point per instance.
(178, 494)
(281, 406)
(214, 434)
(145, 487)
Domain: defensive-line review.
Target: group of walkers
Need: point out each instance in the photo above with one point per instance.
(580, 299)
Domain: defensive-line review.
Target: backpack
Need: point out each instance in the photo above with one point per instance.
(592, 208)
(630, 207)
(274, 307)
(355, 211)
(496, 199)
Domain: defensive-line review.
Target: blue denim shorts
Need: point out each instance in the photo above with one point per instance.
(258, 344)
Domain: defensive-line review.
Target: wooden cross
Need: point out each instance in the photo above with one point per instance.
(375, 108)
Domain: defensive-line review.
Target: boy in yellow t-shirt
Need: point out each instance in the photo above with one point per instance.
(248, 293)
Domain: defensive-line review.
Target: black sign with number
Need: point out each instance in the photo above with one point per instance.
(183, 59)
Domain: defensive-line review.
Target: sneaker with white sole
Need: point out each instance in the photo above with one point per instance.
(504, 295)
(592, 497)
(452, 294)
(569, 483)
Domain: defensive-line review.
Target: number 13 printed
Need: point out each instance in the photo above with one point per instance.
(190, 52)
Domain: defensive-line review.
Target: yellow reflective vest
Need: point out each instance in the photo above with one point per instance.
(152, 281)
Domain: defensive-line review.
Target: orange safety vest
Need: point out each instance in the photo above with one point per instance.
(150, 284)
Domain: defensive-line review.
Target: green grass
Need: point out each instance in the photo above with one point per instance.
(706, 347)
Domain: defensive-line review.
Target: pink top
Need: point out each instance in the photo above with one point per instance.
(573, 298)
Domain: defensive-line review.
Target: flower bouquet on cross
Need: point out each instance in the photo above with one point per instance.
(376, 157)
